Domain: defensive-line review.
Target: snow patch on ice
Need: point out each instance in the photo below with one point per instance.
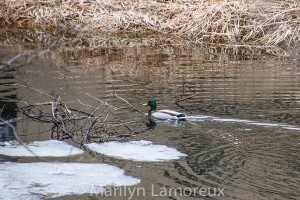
(49, 148)
(35, 181)
(136, 150)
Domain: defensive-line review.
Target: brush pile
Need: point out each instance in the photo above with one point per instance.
(235, 22)
(76, 120)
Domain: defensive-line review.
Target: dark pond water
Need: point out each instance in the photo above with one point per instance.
(243, 112)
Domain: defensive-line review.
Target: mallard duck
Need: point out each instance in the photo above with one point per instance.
(163, 114)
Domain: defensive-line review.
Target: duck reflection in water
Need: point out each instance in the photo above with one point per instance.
(151, 123)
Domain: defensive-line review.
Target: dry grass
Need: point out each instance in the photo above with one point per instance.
(239, 22)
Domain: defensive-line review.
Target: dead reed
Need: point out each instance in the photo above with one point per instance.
(242, 22)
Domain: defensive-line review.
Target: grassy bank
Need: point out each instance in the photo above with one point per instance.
(248, 22)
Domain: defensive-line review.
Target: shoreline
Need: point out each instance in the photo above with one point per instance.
(237, 23)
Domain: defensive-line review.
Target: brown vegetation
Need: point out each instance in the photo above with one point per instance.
(239, 22)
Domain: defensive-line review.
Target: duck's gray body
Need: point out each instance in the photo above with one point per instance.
(168, 114)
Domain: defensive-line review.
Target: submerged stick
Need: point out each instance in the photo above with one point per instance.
(36, 90)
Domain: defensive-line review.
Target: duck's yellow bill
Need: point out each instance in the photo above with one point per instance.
(145, 104)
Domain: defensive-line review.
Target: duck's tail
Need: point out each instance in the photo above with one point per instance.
(181, 116)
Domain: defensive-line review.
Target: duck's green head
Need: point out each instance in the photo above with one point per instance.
(152, 104)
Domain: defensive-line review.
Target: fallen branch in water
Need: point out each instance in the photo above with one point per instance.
(185, 85)
(69, 123)
(78, 121)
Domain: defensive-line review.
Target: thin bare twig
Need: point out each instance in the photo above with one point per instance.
(36, 90)
(102, 102)
(116, 95)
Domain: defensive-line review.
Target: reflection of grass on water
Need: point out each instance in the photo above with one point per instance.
(249, 22)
